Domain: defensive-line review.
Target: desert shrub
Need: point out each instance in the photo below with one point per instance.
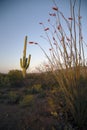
(51, 104)
(42, 94)
(27, 100)
(4, 81)
(46, 86)
(15, 77)
(74, 90)
(79, 103)
(35, 89)
(29, 91)
(1, 97)
(13, 97)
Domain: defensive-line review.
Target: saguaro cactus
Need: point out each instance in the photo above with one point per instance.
(24, 62)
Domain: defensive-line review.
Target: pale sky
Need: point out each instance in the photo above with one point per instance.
(19, 18)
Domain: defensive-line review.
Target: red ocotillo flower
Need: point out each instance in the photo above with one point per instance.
(52, 14)
(48, 20)
(79, 17)
(40, 23)
(31, 42)
(68, 39)
(54, 38)
(70, 18)
(46, 29)
(59, 27)
(36, 43)
(55, 31)
(55, 8)
(50, 49)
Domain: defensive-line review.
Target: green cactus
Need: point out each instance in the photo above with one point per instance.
(24, 62)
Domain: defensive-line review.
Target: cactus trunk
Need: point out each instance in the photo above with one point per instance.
(24, 62)
(25, 46)
(24, 72)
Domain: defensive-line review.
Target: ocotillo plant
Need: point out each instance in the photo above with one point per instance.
(66, 59)
(24, 62)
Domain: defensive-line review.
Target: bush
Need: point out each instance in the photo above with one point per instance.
(13, 97)
(4, 81)
(80, 103)
(15, 77)
(27, 101)
(35, 89)
(42, 94)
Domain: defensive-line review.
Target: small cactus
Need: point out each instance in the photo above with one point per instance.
(24, 62)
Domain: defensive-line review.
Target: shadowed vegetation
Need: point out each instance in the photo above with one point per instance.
(39, 103)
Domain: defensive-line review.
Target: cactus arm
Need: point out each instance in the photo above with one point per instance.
(21, 63)
(28, 61)
(24, 62)
(29, 58)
